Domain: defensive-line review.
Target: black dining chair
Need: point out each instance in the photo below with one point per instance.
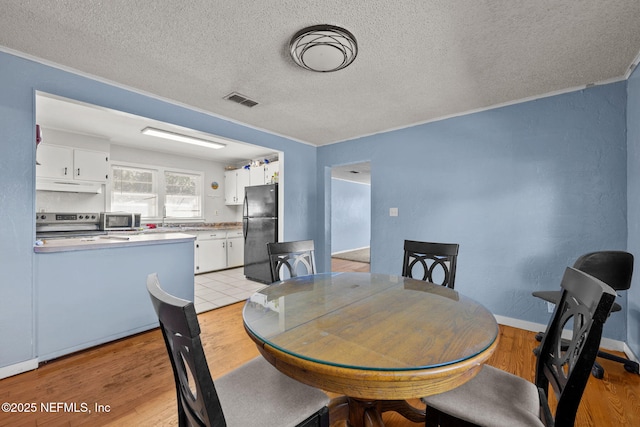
(432, 262)
(255, 394)
(291, 259)
(497, 398)
(615, 268)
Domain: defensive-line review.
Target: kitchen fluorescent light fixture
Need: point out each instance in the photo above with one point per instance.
(323, 48)
(182, 138)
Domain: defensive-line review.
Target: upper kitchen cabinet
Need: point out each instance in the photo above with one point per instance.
(265, 174)
(72, 164)
(234, 183)
(271, 172)
(90, 165)
(54, 162)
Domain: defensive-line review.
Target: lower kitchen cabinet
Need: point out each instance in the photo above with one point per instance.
(218, 250)
(211, 251)
(235, 249)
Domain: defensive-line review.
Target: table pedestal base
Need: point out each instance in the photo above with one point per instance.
(368, 413)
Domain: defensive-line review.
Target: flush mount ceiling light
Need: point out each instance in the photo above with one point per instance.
(181, 138)
(323, 48)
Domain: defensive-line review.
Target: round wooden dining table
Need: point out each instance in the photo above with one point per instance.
(377, 339)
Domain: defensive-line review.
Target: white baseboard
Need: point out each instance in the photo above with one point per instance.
(630, 354)
(18, 368)
(605, 343)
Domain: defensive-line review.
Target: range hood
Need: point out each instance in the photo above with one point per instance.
(68, 187)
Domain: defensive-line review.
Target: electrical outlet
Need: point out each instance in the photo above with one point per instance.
(393, 211)
(216, 213)
(550, 307)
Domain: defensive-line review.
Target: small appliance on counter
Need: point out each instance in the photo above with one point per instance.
(111, 221)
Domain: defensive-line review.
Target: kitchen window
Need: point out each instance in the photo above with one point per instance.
(182, 195)
(156, 193)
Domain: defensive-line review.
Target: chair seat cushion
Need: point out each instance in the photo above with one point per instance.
(494, 398)
(258, 394)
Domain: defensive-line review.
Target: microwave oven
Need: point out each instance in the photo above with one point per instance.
(119, 221)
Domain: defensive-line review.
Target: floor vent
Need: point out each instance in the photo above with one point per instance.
(241, 99)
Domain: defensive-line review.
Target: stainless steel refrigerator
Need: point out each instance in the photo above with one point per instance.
(260, 226)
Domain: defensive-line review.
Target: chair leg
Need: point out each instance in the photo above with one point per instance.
(629, 365)
(435, 418)
(431, 418)
(597, 371)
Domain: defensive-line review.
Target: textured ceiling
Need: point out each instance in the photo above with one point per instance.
(418, 60)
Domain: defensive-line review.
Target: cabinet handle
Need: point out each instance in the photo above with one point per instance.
(78, 171)
(223, 245)
(65, 171)
(230, 244)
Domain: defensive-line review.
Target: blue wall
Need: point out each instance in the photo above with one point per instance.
(350, 215)
(524, 189)
(19, 78)
(633, 213)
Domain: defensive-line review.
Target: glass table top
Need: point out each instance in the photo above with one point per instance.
(369, 321)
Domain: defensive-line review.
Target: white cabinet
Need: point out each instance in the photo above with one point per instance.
(257, 175)
(265, 174)
(66, 163)
(54, 162)
(234, 183)
(211, 251)
(235, 249)
(90, 165)
(271, 172)
(218, 250)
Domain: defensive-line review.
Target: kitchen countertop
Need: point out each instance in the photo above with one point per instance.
(182, 228)
(114, 240)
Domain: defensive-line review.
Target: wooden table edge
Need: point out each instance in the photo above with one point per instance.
(375, 384)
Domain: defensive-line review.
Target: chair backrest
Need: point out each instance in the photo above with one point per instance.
(198, 403)
(436, 262)
(291, 258)
(615, 268)
(584, 307)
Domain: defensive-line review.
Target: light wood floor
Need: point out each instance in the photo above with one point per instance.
(133, 378)
(349, 266)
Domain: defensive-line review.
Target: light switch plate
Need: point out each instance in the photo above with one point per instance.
(393, 211)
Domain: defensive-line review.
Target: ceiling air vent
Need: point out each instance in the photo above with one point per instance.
(241, 99)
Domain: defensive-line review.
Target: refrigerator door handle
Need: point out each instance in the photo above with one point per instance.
(245, 206)
(245, 226)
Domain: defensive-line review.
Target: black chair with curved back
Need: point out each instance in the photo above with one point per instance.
(291, 258)
(615, 268)
(499, 399)
(431, 261)
(255, 394)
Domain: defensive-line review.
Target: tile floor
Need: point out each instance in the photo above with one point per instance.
(220, 288)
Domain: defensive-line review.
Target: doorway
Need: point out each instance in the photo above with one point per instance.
(351, 217)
